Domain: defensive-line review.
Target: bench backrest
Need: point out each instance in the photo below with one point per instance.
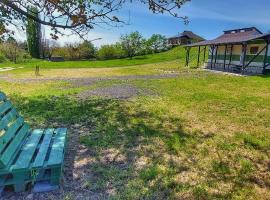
(13, 131)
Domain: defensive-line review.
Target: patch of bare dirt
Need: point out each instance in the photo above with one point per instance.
(120, 91)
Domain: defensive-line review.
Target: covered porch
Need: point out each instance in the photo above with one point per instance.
(231, 53)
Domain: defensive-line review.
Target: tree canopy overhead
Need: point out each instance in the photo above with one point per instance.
(79, 16)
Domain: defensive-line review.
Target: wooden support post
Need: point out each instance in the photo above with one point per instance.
(244, 54)
(199, 54)
(216, 54)
(204, 54)
(231, 53)
(187, 56)
(212, 55)
(266, 54)
(225, 57)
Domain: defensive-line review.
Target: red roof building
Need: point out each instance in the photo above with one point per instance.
(187, 37)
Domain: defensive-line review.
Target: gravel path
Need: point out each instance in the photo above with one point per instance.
(89, 80)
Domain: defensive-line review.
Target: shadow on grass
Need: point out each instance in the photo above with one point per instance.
(112, 149)
(116, 150)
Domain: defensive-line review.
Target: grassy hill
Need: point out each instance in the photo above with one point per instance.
(173, 54)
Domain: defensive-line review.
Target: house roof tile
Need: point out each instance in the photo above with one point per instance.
(234, 37)
(188, 34)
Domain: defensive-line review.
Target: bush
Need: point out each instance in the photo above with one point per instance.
(2, 57)
(75, 51)
(110, 52)
(12, 51)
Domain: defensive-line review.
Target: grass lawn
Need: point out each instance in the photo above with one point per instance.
(198, 136)
(173, 54)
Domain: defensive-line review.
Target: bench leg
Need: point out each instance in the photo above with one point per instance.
(19, 185)
(1, 191)
(55, 176)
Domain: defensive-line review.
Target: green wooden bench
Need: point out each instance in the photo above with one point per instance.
(28, 156)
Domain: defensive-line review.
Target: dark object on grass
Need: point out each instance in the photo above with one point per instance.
(57, 59)
(37, 70)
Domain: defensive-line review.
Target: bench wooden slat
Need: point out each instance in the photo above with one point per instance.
(57, 152)
(8, 118)
(4, 107)
(28, 150)
(2, 96)
(15, 144)
(44, 147)
(9, 134)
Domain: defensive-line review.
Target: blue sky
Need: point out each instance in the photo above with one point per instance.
(208, 18)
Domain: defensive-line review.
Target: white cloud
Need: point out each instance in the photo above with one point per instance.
(216, 12)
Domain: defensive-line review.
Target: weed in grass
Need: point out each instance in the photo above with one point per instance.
(200, 193)
(221, 167)
(181, 142)
(246, 169)
(150, 173)
(256, 142)
(68, 196)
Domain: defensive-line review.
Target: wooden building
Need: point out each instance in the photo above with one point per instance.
(243, 51)
(187, 37)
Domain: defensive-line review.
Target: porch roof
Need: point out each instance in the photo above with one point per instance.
(233, 38)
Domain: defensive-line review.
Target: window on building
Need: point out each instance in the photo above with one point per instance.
(229, 49)
(254, 50)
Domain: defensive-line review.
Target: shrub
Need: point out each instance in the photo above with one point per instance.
(75, 51)
(110, 52)
(12, 51)
(2, 57)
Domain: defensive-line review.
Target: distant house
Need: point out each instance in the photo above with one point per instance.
(187, 37)
(244, 50)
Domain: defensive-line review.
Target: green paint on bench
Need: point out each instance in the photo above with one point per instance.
(4, 107)
(57, 152)
(2, 96)
(8, 118)
(28, 151)
(44, 147)
(15, 144)
(10, 133)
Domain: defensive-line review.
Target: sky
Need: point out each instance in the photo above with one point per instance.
(208, 18)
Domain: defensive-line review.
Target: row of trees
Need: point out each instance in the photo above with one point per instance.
(133, 44)
(130, 45)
